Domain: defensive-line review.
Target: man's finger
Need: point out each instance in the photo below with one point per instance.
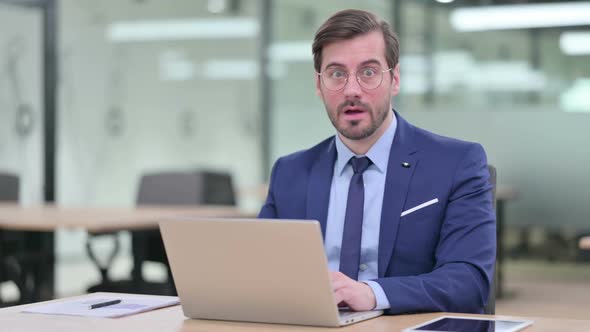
(338, 297)
(336, 275)
(338, 284)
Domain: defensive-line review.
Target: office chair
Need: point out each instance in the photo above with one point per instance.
(164, 188)
(12, 243)
(174, 188)
(490, 308)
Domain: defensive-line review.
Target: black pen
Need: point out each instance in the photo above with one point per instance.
(103, 304)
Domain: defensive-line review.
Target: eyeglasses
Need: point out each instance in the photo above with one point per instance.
(369, 77)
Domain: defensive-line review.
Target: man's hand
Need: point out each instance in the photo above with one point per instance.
(358, 296)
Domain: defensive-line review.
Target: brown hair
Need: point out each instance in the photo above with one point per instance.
(349, 23)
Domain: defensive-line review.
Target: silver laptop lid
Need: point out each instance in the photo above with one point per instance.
(257, 270)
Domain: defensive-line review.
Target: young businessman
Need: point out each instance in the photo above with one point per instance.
(406, 214)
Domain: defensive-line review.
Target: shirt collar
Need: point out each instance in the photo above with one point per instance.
(378, 153)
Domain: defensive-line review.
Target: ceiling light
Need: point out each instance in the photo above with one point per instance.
(201, 28)
(575, 43)
(521, 16)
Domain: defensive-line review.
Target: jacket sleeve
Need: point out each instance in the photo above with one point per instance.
(269, 209)
(466, 252)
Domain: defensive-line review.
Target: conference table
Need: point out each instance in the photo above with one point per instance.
(102, 219)
(41, 221)
(172, 319)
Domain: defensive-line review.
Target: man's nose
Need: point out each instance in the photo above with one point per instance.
(352, 88)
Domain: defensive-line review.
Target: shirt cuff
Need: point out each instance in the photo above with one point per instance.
(382, 303)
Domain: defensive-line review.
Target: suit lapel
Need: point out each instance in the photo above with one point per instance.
(397, 185)
(318, 187)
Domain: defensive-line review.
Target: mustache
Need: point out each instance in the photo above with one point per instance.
(352, 103)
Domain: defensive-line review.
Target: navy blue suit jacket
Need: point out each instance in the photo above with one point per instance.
(438, 258)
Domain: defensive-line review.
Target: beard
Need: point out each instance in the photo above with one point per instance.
(353, 129)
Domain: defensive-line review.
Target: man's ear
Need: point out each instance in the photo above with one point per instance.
(318, 84)
(395, 81)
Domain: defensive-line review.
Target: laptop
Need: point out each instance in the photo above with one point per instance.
(254, 270)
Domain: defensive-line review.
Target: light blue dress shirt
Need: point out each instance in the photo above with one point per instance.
(374, 180)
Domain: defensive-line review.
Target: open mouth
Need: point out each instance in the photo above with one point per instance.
(351, 112)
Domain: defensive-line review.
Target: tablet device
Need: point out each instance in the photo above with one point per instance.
(470, 324)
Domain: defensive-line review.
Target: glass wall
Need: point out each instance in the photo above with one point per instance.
(154, 85)
(518, 91)
(21, 112)
(150, 86)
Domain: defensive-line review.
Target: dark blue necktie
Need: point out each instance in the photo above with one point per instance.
(350, 252)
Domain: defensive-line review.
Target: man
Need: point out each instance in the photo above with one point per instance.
(405, 212)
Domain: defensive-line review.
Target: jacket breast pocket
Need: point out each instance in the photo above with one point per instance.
(417, 238)
(429, 209)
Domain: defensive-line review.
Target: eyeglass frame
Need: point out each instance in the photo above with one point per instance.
(356, 76)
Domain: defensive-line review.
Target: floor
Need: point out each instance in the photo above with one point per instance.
(548, 289)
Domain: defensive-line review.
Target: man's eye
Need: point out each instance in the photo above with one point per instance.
(369, 72)
(338, 74)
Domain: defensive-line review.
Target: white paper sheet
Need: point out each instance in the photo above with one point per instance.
(80, 307)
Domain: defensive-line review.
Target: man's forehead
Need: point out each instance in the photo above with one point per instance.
(363, 63)
(355, 51)
(352, 60)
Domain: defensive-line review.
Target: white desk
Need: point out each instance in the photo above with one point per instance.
(172, 319)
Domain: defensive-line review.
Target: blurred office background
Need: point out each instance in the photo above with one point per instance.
(150, 85)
